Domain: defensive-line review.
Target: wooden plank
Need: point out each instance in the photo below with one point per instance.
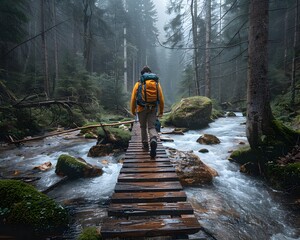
(135, 151)
(149, 228)
(149, 209)
(144, 156)
(147, 177)
(146, 164)
(147, 186)
(147, 170)
(137, 197)
(144, 160)
(138, 143)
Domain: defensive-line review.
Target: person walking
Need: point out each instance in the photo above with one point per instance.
(147, 101)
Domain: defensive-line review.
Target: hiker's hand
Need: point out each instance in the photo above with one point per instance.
(160, 115)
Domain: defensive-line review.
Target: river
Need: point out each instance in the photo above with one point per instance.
(234, 206)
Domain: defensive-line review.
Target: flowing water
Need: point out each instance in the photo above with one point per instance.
(234, 206)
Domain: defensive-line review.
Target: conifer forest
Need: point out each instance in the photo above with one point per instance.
(67, 62)
(72, 64)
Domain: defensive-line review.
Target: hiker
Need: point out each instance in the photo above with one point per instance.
(147, 101)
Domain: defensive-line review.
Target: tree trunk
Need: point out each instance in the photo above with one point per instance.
(220, 58)
(87, 33)
(207, 49)
(194, 14)
(286, 26)
(293, 80)
(125, 59)
(44, 48)
(259, 114)
(55, 46)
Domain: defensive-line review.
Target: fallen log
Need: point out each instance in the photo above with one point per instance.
(60, 182)
(174, 132)
(70, 130)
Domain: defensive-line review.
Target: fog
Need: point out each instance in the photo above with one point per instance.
(162, 16)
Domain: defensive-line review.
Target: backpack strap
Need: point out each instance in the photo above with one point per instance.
(145, 91)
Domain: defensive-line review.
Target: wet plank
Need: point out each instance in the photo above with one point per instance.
(149, 228)
(145, 155)
(145, 159)
(139, 197)
(146, 164)
(148, 193)
(147, 186)
(147, 177)
(147, 170)
(149, 209)
(141, 151)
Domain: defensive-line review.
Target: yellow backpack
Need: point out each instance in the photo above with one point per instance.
(147, 93)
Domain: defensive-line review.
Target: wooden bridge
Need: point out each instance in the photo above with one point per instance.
(148, 200)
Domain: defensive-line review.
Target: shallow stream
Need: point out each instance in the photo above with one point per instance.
(235, 206)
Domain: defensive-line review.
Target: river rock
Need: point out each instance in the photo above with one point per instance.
(75, 167)
(190, 169)
(100, 150)
(208, 139)
(231, 114)
(193, 113)
(203, 150)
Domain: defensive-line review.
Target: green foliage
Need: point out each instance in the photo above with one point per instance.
(112, 95)
(12, 19)
(285, 177)
(17, 124)
(90, 233)
(187, 85)
(284, 112)
(22, 204)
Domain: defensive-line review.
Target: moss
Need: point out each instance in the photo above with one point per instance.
(193, 112)
(70, 165)
(216, 113)
(191, 104)
(245, 155)
(166, 120)
(123, 136)
(90, 233)
(285, 177)
(285, 134)
(22, 204)
(231, 114)
(88, 130)
(90, 135)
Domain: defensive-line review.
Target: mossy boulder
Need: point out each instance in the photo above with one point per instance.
(193, 113)
(231, 114)
(22, 205)
(75, 167)
(208, 139)
(121, 136)
(118, 140)
(101, 150)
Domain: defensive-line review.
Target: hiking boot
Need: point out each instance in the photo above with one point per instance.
(145, 146)
(153, 146)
